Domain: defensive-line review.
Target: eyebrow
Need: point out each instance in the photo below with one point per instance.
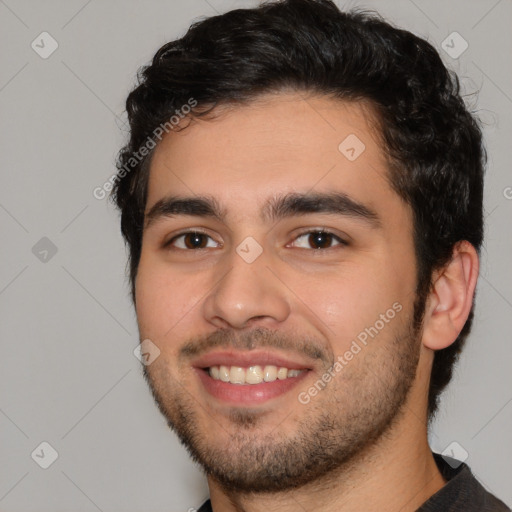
(276, 208)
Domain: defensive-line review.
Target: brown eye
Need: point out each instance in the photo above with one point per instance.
(319, 239)
(190, 240)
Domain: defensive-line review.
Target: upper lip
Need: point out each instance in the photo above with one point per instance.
(245, 359)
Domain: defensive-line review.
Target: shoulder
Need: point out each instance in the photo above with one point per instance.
(462, 491)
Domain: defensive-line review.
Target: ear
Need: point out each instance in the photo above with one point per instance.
(451, 298)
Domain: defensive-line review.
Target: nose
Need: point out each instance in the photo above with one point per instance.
(247, 293)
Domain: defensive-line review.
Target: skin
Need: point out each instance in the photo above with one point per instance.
(322, 298)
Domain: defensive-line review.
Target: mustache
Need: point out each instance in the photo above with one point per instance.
(250, 340)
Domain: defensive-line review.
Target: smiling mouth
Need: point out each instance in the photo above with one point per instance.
(249, 377)
(227, 387)
(252, 375)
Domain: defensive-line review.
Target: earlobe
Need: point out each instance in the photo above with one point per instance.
(451, 298)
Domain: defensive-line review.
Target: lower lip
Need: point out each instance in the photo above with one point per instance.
(247, 394)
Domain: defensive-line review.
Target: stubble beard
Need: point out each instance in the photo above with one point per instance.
(353, 412)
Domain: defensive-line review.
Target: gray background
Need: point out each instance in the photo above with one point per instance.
(68, 373)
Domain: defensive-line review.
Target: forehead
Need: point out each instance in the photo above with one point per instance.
(281, 143)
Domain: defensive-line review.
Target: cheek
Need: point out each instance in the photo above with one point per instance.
(161, 300)
(341, 299)
(350, 301)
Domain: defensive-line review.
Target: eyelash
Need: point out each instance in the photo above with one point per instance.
(341, 242)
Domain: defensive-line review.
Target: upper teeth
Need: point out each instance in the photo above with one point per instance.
(251, 375)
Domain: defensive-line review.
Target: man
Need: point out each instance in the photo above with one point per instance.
(302, 199)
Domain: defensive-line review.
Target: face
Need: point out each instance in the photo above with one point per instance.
(277, 279)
